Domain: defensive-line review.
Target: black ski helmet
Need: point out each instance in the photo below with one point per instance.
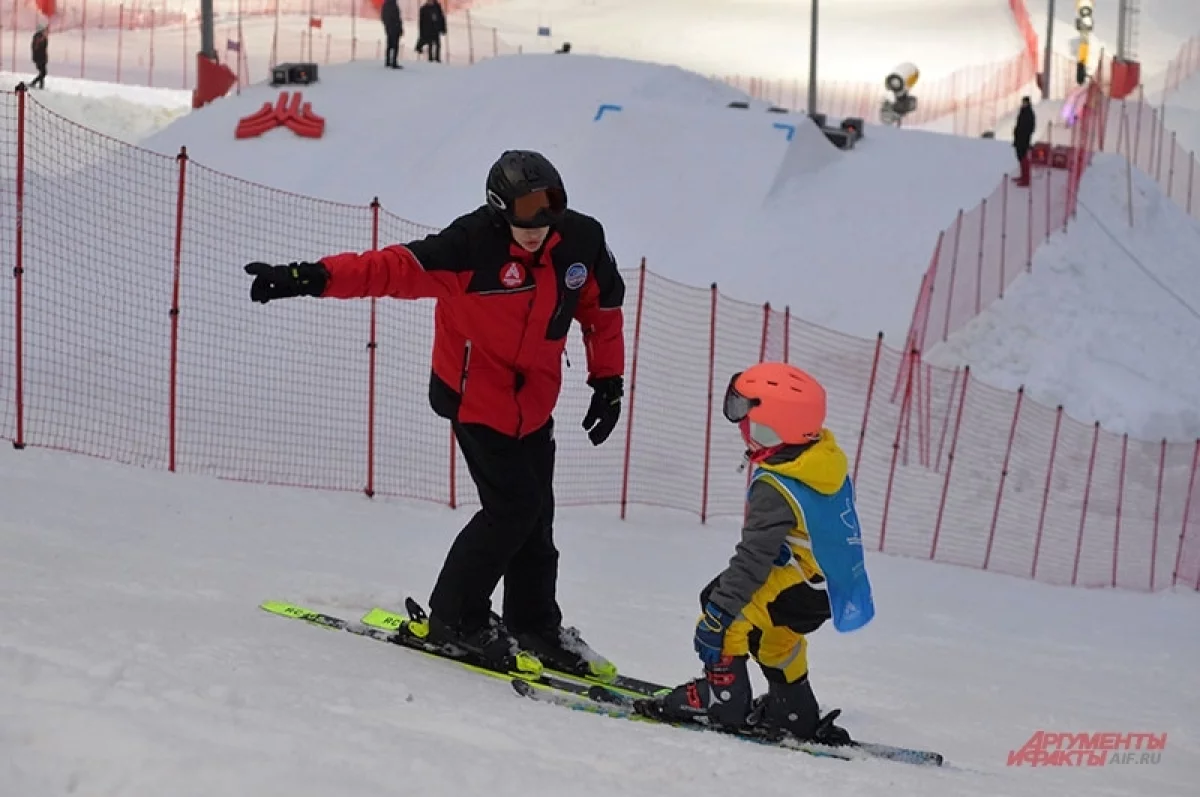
(517, 173)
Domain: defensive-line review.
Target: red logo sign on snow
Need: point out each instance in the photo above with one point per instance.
(294, 114)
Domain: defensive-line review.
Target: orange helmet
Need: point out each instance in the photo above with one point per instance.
(775, 404)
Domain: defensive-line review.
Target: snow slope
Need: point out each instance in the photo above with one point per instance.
(129, 113)
(134, 662)
(675, 176)
(1107, 322)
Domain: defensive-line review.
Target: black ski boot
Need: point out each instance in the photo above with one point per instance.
(722, 698)
(791, 709)
(490, 646)
(563, 649)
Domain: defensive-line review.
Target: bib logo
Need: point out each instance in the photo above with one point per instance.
(576, 276)
(512, 275)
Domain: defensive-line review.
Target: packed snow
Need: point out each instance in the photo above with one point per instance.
(1107, 322)
(134, 661)
(128, 113)
(706, 193)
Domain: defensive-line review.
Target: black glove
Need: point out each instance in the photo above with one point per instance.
(283, 282)
(605, 409)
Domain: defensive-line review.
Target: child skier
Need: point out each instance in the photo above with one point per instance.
(798, 564)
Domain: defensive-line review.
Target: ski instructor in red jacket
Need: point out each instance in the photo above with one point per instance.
(509, 278)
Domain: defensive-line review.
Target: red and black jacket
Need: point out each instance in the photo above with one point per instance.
(502, 314)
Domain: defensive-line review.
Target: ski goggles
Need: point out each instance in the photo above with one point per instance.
(736, 407)
(538, 209)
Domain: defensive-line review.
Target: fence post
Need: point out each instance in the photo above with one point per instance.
(862, 431)
(953, 274)
(1037, 545)
(150, 73)
(945, 421)
(120, 37)
(1162, 466)
(83, 38)
(1087, 494)
(372, 351)
(962, 401)
(1003, 233)
(19, 271)
(762, 344)
(1029, 231)
(1120, 505)
(979, 265)
(633, 368)
(1187, 509)
(1191, 182)
(1012, 433)
(712, 362)
(1171, 167)
(905, 406)
(173, 414)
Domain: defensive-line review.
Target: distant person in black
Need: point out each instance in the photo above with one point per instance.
(432, 26)
(1023, 138)
(393, 27)
(40, 47)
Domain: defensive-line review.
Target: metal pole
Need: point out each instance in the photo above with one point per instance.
(207, 48)
(812, 61)
(1122, 11)
(1049, 51)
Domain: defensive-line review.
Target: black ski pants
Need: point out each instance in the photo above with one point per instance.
(510, 537)
(392, 53)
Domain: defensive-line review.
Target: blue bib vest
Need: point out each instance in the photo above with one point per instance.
(832, 525)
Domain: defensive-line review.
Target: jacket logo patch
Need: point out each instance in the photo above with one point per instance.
(577, 274)
(512, 275)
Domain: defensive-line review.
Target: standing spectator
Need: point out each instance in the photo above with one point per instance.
(393, 27)
(40, 47)
(432, 26)
(1023, 138)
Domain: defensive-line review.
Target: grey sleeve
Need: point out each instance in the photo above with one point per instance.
(769, 520)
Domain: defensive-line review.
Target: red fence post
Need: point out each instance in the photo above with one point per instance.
(1162, 466)
(637, 338)
(979, 264)
(787, 332)
(1029, 231)
(946, 420)
(83, 38)
(1003, 233)
(173, 402)
(1012, 433)
(762, 344)
(905, 406)
(1120, 504)
(712, 363)
(953, 274)
(862, 431)
(1037, 545)
(1171, 167)
(1191, 182)
(19, 270)
(1187, 510)
(150, 72)
(120, 37)
(372, 348)
(1087, 494)
(962, 401)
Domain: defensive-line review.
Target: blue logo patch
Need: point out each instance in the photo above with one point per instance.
(577, 274)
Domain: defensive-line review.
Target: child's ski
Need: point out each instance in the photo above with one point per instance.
(598, 700)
